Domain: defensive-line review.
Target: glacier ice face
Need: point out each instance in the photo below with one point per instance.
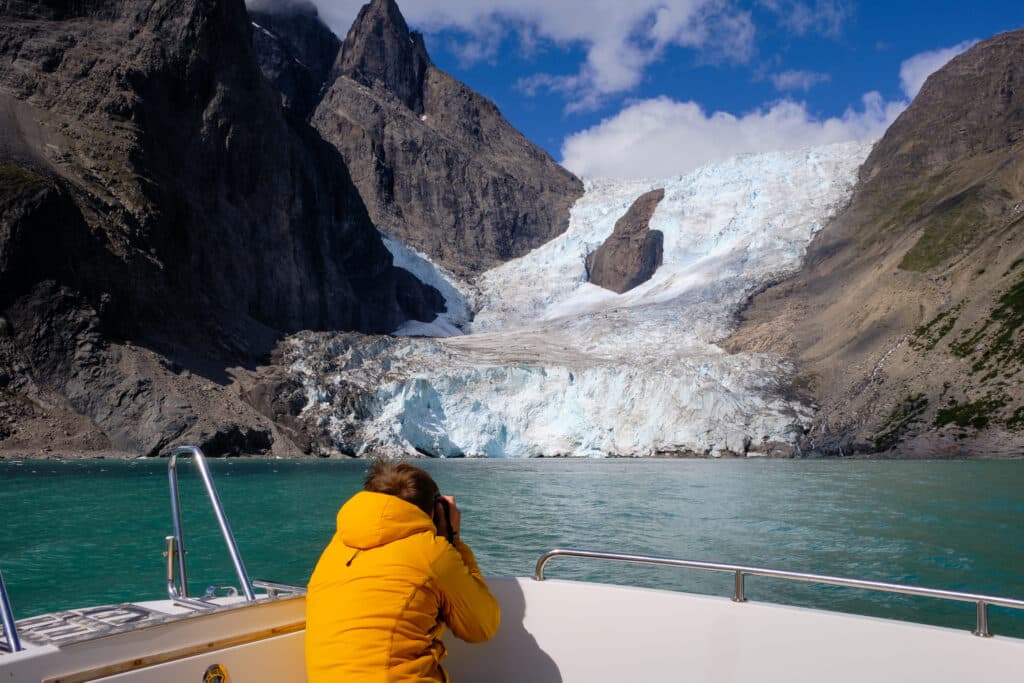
(556, 366)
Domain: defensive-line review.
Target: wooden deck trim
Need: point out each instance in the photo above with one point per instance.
(175, 655)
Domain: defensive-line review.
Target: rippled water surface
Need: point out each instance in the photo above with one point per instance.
(80, 533)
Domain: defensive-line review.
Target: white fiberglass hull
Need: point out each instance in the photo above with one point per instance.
(578, 632)
(554, 631)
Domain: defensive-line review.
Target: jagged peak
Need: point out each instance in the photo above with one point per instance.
(387, 8)
(381, 52)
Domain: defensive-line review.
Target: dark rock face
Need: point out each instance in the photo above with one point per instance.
(281, 398)
(179, 154)
(972, 106)
(381, 52)
(633, 251)
(152, 185)
(437, 164)
(907, 315)
(35, 217)
(948, 161)
(132, 400)
(296, 51)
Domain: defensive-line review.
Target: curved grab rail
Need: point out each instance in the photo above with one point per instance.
(7, 616)
(741, 571)
(176, 544)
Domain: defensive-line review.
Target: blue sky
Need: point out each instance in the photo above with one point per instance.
(657, 87)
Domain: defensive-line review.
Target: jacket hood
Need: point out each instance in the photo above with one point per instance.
(369, 520)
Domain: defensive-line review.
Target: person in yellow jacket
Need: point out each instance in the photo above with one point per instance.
(395, 573)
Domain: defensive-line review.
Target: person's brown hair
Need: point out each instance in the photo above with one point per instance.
(401, 479)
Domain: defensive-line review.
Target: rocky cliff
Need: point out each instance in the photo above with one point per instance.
(295, 50)
(410, 133)
(154, 190)
(906, 318)
(633, 251)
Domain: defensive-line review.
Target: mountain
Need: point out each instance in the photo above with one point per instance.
(186, 255)
(163, 221)
(295, 51)
(906, 318)
(410, 133)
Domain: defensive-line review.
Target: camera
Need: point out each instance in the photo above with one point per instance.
(444, 517)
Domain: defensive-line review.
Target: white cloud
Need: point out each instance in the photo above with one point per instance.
(825, 17)
(658, 136)
(798, 80)
(620, 39)
(663, 137)
(917, 69)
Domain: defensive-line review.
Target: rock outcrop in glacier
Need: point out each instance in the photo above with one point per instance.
(554, 365)
(633, 252)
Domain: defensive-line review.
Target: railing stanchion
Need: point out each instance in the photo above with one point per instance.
(982, 628)
(7, 616)
(739, 595)
(222, 521)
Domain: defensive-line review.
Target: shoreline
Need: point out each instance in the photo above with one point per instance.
(115, 455)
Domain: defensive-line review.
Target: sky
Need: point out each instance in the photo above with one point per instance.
(652, 88)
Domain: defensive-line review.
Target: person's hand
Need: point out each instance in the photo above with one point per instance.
(454, 517)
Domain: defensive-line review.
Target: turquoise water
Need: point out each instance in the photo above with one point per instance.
(80, 533)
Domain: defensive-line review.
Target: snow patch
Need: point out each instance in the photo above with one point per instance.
(457, 295)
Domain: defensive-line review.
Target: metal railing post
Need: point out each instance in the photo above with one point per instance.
(7, 615)
(739, 595)
(982, 627)
(222, 521)
(176, 550)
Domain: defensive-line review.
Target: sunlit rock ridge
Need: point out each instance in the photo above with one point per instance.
(552, 365)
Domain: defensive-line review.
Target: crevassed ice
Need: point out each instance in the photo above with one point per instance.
(556, 366)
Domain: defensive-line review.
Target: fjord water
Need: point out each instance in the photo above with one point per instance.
(91, 532)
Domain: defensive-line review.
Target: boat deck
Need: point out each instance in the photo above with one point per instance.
(552, 632)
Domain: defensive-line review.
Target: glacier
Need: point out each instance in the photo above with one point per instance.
(532, 360)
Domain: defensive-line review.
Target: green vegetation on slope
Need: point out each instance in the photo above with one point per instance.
(998, 342)
(1015, 422)
(977, 414)
(910, 409)
(927, 336)
(949, 231)
(994, 347)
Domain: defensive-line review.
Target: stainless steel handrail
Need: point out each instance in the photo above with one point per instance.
(7, 615)
(740, 571)
(176, 544)
(275, 588)
(173, 591)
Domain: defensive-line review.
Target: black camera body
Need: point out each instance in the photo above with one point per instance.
(445, 517)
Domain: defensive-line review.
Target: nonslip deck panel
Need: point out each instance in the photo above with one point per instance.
(75, 625)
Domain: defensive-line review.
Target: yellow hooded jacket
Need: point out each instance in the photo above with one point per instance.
(382, 592)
